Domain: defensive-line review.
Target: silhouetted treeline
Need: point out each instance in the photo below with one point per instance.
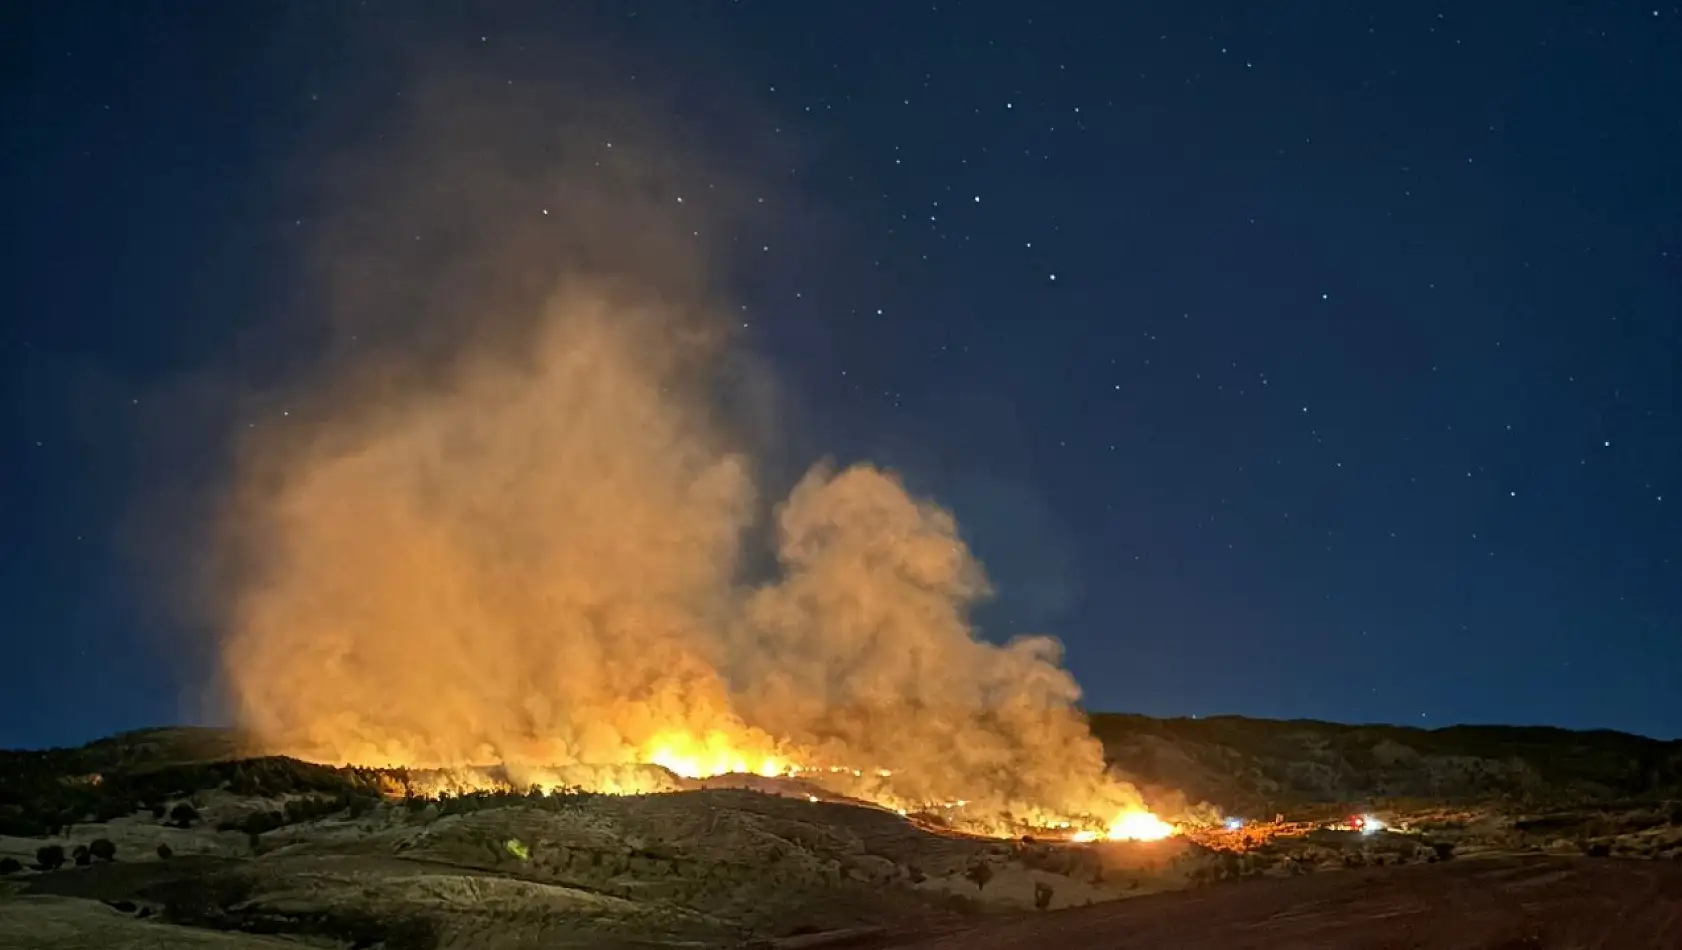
(42, 793)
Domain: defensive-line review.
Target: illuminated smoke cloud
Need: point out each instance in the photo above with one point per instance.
(507, 522)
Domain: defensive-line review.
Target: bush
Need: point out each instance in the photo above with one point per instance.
(1444, 849)
(9, 866)
(259, 822)
(980, 873)
(165, 851)
(81, 856)
(49, 857)
(183, 814)
(103, 848)
(1042, 895)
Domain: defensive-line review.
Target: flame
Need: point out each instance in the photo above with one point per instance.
(1130, 826)
(675, 755)
(1138, 826)
(684, 755)
(716, 755)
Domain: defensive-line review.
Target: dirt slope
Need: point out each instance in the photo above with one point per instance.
(1513, 904)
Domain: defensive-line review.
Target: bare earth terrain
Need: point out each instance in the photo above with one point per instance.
(1489, 904)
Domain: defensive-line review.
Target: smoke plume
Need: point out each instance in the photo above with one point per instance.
(502, 514)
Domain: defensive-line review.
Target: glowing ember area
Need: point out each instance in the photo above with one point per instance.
(1131, 826)
(1139, 826)
(684, 756)
(678, 762)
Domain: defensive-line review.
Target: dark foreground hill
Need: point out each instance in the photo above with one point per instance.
(1263, 766)
(180, 837)
(1498, 904)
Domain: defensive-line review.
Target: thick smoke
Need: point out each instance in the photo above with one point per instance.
(503, 517)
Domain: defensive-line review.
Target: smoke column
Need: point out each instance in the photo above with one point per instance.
(501, 514)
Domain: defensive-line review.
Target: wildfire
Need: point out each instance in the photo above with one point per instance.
(715, 755)
(1139, 826)
(1131, 826)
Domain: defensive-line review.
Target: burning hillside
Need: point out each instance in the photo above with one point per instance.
(535, 566)
(513, 521)
(833, 784)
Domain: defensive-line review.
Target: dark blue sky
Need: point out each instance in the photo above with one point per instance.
(1301, 362)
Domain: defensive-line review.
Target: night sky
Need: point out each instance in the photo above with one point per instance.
(1311, 361)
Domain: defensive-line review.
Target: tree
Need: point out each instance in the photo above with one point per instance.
(103, 848)
(183, 814)
(49, 857)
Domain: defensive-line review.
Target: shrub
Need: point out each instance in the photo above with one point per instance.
(1042, 895)
(9, 866)
(980, 872)
(183, 814)
(1444, 849)
(49, 857)
(103, 848)
(81, 856)
(165, 851)
(259, 822)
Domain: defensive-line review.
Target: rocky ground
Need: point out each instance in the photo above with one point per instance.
(171, 839)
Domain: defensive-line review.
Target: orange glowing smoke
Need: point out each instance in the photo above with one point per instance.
(514, 521)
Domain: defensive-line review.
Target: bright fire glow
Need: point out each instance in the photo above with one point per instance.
(716, 755)
(1131, 826)
(685, 755)
(1139, 826)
